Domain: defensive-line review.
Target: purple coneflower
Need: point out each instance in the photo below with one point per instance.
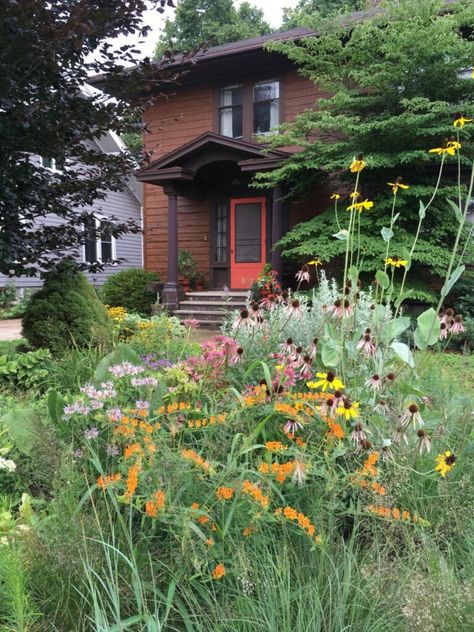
(424, 443)
(236, 355)
(366, 345)
(457, 327)
(294, 308)
(292, 426)
(359, 434)
(303, 274)
(337, 310)
(447, 315)
(288, 346)
(192, 323)
(313, 349)
(243, 319)
(375, 383)
(412, 414)
(443, 330)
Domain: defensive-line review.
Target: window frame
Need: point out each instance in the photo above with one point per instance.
(98, 243)
(254, 103)
(220, 107)
(248, 107)
(53, 168)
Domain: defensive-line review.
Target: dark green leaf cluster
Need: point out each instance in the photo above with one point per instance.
(204, 23)
(392, 83)
(49, 52)
(132, 289)
(66, 313)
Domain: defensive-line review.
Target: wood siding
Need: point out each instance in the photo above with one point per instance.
(175, 120)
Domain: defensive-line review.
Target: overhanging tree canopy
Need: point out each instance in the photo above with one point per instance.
(397, 80)
(49, 50)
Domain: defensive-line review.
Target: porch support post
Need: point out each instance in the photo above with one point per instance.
(171, 290)
(277, 228)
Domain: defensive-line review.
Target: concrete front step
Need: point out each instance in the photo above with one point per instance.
(204, 306)
(217, 295)
(210, 314)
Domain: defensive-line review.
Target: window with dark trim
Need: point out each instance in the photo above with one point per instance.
(220, 253)
(55, 164)
(230, 111)
(266, 106)
(99, 244)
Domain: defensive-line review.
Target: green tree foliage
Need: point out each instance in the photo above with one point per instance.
(66, 313)
(49, 52)
(305, 9)
(130, 289)
(397, 80)
(199, 23)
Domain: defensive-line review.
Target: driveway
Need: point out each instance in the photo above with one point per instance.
(10, 329)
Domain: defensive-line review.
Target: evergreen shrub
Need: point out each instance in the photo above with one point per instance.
(66, 313)
(130, 289)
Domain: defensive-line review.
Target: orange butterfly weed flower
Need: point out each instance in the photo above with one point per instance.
(218, 572)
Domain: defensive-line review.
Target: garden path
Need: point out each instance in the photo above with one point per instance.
(10, 329)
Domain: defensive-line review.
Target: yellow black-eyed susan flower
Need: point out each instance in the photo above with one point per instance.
(357, 164)
(460, 120)
(445, 462)
(361, 206)
(396, 262)
(398, 184)
(449, 147)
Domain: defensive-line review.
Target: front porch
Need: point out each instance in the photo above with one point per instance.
(214, 212)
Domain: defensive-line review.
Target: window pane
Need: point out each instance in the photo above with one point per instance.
(262, 118)
(266, 91)
(230, 122)
(90, 244)
(106, 242)
(46, 162)
(231, 95)
(248, 233)
(221, 233)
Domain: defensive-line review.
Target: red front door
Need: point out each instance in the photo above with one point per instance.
(247, 241)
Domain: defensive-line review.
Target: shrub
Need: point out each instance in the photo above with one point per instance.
(66, 313)
(130, 289)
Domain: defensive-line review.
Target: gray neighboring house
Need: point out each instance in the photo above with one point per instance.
(123, 205)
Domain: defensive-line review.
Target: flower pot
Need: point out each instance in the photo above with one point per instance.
(185, 283)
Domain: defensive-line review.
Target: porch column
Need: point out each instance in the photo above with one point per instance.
(171, 290)
(277, 228)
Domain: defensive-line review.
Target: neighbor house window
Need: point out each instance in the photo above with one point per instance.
(266, 106)
(99, 244)
(230, 111)
(55, 164)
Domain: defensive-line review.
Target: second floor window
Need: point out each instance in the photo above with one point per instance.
(230, 111)
(266, 106)
(99, 244)
(55, 164)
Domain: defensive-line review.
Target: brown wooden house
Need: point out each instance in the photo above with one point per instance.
(202, 137)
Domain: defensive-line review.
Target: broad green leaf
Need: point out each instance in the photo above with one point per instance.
(382, 279)
(123, 353)
(387, 233)
(395, 217)
(56, 404)
(24, 427)
(353, 275)
(403, 351)
(456, 209)
(428, 328)
(448, 286)
(394, 328)
(330, 353)
(422, 211)
(403, 297)
(342, 235)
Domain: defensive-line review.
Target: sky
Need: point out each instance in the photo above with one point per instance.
(273, 11)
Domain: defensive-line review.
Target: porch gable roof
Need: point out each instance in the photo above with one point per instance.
(182, 163)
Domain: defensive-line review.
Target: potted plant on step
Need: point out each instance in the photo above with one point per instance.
(198, 281)
(187, 267)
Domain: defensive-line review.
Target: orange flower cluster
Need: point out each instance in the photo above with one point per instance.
(132, 480)
(110, 479)
(129, 425)
(291, 411)
(155, 505)
(369, 468)
(139, 412)
(258, 397)
(173, 408)
(335, 430)
(303, 521)
(130, 450)
(212, 421)
(308, 397)
(256, 493)
(365, 484)
(250, 530)
(225, 493)
(218, 572)
(193, 456)
(275, 446)
(280, 471)
(396, 514)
